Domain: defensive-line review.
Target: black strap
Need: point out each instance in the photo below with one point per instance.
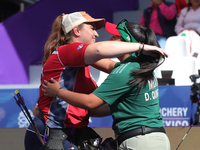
(40, 115)
(139, 131)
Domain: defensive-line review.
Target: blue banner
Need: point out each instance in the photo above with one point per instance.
(175, 107)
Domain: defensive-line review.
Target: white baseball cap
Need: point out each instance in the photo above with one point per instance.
(69, 21)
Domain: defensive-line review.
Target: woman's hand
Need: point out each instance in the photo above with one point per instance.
(153, 51)
(51, 89)
(35, 110)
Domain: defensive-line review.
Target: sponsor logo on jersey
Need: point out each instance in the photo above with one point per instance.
(80, 46)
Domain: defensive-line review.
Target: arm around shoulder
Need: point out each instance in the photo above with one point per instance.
(85, 101)
(109, 49)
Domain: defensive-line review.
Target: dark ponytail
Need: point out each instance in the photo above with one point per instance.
(147, 63)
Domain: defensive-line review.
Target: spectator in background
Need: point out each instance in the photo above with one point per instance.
(161, 18)
(188, 26)
(180, 5)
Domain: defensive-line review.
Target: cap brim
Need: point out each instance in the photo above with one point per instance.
(112, 29)
(99, 23)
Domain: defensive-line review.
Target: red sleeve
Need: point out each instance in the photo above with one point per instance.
(72, 54)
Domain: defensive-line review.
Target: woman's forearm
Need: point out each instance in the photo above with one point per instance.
(85, 101)
(109, 49)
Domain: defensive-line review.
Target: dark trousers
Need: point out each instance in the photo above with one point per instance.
(31, 141)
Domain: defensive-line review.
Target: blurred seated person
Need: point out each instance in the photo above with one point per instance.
(188, 26)
(180, 5)
(160, 16)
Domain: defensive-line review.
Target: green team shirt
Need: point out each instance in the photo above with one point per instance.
(130, 109)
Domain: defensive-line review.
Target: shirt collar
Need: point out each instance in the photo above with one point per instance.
(131, 58)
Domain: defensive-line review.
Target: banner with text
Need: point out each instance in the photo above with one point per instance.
(175, 107)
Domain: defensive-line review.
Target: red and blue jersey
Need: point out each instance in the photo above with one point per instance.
(66, 65)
